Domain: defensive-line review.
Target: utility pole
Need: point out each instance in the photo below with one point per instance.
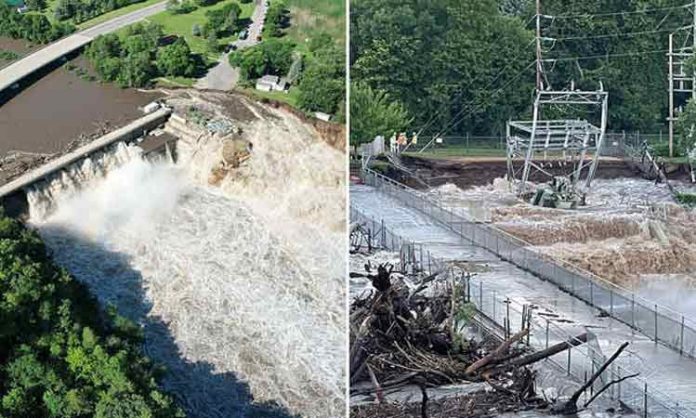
(538, 44)
(670, 119)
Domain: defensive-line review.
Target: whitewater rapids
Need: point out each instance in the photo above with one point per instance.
(232, 284)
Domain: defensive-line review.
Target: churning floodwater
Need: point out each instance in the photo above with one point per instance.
(228, 302)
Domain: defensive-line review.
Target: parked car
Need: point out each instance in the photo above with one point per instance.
(244, 34)
(230, 47)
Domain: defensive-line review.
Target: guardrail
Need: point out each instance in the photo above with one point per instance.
(659, 323)
(578, 362)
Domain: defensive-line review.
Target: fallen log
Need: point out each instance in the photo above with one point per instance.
(571, 405)
(536, 356)
(493, 356)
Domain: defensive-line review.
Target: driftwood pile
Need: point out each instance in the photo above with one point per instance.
(408, 332)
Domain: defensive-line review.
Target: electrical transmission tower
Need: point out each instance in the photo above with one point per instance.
(540, 146)
(681, 84)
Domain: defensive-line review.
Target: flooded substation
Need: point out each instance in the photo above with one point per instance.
(630, 233)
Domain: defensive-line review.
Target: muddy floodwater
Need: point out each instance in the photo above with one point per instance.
(58, 108)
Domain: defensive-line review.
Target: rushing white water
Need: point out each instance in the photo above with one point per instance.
(226, 286)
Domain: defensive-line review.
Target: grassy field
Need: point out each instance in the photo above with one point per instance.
(181, 25)
(290, 97)
(309, 18)
(116, 13)
(448, 152)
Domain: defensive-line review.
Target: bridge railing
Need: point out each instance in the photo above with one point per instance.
(659, 323)
(577, 363)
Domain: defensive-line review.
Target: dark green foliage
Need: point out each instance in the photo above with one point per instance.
(272, 56)
(181, 7)
(373, 113)
(205, 3)
(424, 53)
(277, 18)
(30, 26)
(223, 21)
(36, 5)
(175, 59)
(81, 10)
(60, 355)
(436, 56)
(686, 199)
(135, 59)
(323, 83)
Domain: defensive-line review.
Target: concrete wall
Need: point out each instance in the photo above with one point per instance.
(13, 195)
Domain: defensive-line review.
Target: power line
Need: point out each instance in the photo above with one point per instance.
(616, 35)
(581, 58)
(472, 106)
(592, 15)
(459, 94)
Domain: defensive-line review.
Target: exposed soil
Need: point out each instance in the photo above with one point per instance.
(466, 172)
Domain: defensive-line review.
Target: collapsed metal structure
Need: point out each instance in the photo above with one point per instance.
(535, 146)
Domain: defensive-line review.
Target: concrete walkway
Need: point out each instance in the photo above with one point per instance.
(224, 76)
(16, 71)
(663, 367)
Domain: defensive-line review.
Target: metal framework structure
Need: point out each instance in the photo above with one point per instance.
(576, 143)
(681, 84)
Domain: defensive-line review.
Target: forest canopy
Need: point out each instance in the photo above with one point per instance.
(60, 354)
(468, 67)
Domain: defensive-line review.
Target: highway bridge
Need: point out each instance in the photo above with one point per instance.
(15, 72)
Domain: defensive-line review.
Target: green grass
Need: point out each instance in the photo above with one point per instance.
(309, 18)
(181, 25)
(291, 97)
(175, 81)
(115, 13)
(460, 152)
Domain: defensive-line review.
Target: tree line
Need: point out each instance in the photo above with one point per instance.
(137, 57)
(33, 27)
(61, 355)
(467, 67)
(318, 71)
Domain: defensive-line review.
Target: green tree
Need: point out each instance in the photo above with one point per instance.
(212, 42)
(373, 113)
(274, 56)
(323, 81)
(176, 59)
(136, 70)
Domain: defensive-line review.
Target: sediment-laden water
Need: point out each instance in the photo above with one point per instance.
(228, 286)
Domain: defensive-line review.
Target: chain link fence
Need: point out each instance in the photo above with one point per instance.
(659, 323)
(578, 362)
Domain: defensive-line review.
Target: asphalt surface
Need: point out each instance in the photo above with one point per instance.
(32, 62)
(223, 76)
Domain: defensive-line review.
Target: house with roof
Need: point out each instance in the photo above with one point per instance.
(270, 83)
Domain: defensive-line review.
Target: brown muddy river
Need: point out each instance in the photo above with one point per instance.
(55, 110)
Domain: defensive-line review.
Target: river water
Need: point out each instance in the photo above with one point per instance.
(227, 289)
(51, 113)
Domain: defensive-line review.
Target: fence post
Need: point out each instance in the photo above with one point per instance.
(547, 334)
(656, 324)
(481, 296)
(645, 400)
(611, 301)
(633, 310)
(507, 315)
(494, 306)
(569, 350)
(681, 339)
(591, 293)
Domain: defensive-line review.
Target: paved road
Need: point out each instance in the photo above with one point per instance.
(223, 76)
(27, 65)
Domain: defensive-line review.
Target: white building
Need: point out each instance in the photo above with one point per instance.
(271, 83)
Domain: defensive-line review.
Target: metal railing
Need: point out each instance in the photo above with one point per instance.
(578, 362)
(659, 323)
